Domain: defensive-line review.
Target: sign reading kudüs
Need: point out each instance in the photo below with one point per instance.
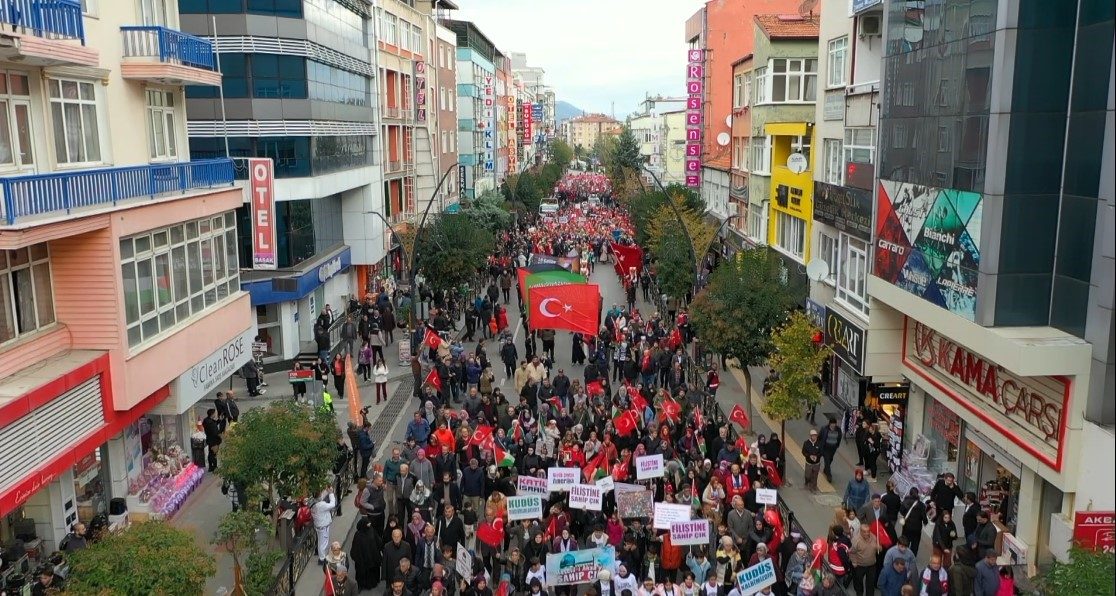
(525, 507)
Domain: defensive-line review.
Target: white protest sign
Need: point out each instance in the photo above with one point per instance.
(586, 496)
(525, 507)
(767, 496)
(606, 484)
(665, 513)
(624, 487)
(684, 533)
(530, 485)
(464, 561)
(756, 577)
(650, 466)
(561, 479)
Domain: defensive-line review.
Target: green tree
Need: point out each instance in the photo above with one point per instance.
(744, 301)
(579, 151)
(487, 211)
(626, 155)
(560, 153)
(285, 448)
(796, 362)
(1088, 572)
(523, 189)
(667, 239)
(643, 206)
(246, 535)
(449, 251)
(150, 557)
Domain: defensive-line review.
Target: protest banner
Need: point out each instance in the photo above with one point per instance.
(586, 496)
(635, 504)
(606, 484)
(578, 566)
(665, 513)
(756, 577)
(624, 487)
(464, 561)
(684, 533)
(561, 479)
(767, 496)
(525, 507)
(650, 466)
(530, 485)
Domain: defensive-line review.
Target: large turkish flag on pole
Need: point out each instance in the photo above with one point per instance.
(627, 257)
(572, 307)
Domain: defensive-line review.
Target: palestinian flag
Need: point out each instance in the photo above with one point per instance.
(503, 458)
(545, 278)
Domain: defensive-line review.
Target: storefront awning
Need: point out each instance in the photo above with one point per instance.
(786, 129)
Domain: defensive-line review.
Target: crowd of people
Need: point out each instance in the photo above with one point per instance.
(485, 424)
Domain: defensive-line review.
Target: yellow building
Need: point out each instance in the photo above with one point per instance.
(791, 194)
(585, 130)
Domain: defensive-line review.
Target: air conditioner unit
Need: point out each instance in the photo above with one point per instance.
(870, 25)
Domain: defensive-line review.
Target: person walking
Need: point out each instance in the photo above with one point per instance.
(348, 335)
(380, 373)
(987, 580)
(212, 428)
(864, 553)
(366, 446)
(251, 372)
(364, 362)
(812, 451)
(944, 537)
(508, 355)
(376, 340)
(338, 369)
(914, 519)
(830, 437)
(857, 491)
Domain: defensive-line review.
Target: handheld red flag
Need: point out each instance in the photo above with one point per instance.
(738, 416)
(570, 307)
(433, 379)
(591, 468)
(639, 402)
(481, 435)
(672, 410)
(625, 423)
(329, 589)
(594, 388)
(432, 339)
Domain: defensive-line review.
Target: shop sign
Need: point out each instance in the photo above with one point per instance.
(816, 313)
(695, 98)
(834, 106)
(1030, 411)
(329, 268)
(1095, 530)
(896, 394)
(892, 398)
(261, 186)
(462, 182)
(204, 377)
(845, 339)
(420, 91)
(844, 208)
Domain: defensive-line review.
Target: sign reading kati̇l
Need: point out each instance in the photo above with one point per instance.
(650, 466)
(525, 507)
(530, 485)
(1030, 411)
(586, 496)
(578, 566)
(684, 533)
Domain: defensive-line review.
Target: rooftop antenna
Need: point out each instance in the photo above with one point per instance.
(806, 9)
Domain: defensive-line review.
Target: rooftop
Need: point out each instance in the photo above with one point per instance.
(590, 118)
(781, 26)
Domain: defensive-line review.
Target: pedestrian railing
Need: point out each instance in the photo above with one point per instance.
(305, 550)
(52, 19)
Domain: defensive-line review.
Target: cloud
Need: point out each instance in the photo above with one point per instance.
(595, 52)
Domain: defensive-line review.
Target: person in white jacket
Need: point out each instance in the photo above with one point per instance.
(322, 513)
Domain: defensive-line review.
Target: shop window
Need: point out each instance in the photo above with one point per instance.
(171, 275)
(25, 287)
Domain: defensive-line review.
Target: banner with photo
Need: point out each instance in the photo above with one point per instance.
(635, 504)
(928, 243)
(579, 566)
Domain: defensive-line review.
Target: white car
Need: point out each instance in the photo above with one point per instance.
(548, 206)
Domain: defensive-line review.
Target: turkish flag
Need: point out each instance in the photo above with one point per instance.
(773, 476)
(625, 423)
(572, 307)
(492, 534)
(432, 339)
(639, 402)
(433, 379)
(738, 416)
(481, 435)
(594, 388)
(628, 256)
(672, 410)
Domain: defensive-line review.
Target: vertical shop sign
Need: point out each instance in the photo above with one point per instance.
(526, 121)
(420, 91)
(695, 97)
(261, 174)
(488, 115)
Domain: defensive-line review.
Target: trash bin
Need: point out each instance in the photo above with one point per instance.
(197, 452)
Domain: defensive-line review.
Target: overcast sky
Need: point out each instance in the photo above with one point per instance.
(594, 51)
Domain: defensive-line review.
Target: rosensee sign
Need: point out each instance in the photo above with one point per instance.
(1029, 411)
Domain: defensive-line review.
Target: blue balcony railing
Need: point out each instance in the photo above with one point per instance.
(53, 19)
(169, 46)
(62, 192)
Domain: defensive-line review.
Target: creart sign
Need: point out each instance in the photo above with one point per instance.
(695, 98)
(845, 339)
(1029, 411)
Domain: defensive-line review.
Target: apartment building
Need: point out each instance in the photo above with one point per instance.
(446, 91)
(120, 292)
(850, 53)
(585, 130)
(740, 235)
(476, 108)
(992, 255)
(299, 88)
(649, 126)
(541, 102)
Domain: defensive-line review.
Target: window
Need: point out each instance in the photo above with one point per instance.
(738, 91)
(760, 156)
(160, 117)
(852, 274)
(445, 142)
(834, 166)
(860, 145)
(756, 228)
(739, 153)
(828, 251)
(172, 274)
(747, 88)
(73, 110)
(761, 85)
(275, 76)
(790, 234)
(154, 12)
(25, 288)
(15, 121)
(326, 83)
(388, 25)
(838, 56)
(404, 35)
(794, 80)
(416, 38)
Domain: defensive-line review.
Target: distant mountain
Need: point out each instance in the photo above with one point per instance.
(565, 110)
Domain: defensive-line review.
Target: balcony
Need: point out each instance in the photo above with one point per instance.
(168, 57)
(398, 113)
(44, 32)
(64, 193)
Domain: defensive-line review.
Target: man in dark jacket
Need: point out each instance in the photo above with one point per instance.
(395, 551)
(366, 446)
(987, 575)
(212, 428)
(962, 575)
(812, 451)
(969, 519)
(472, 484)
(451, 530)
(945, 493)
(830, 438)
(227, 409)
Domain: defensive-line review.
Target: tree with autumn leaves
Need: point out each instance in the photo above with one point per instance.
(796, 363)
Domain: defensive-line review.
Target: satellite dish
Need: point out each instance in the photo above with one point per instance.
(817, 270)
(728, 121)
(723, 139)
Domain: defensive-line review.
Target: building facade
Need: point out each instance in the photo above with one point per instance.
(585, 130)
(443, 93)
(992, 257)
(476, 109)
(304, 95)
(110, 287)
(741, 139)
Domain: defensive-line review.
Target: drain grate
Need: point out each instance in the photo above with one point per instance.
(382, 426)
